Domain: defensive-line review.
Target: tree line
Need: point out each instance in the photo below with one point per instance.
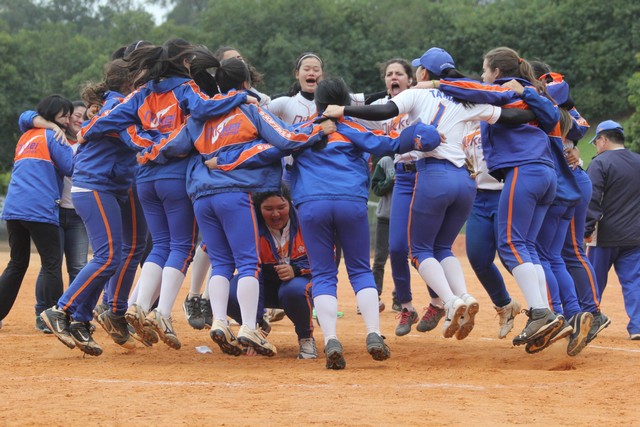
(53, 46)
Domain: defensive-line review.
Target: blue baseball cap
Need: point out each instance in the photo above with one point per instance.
(607, 125)
(435, 60)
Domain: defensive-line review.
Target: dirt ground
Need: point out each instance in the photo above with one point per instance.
(429, 380)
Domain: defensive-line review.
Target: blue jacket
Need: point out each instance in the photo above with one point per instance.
(104, 163)
(40, 162)
(246, 126)
(507, 146)
(155, 110)
(340, 170)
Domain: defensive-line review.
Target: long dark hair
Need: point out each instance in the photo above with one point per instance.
(151, 63)
(232, 74)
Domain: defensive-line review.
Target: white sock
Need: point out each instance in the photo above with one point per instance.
(148, 285)
(248, 293)
(432, 273)
(454, 274)
(219, 291)
(542, 284)
(327, 311)
(437, 302)
(199, 268)
(172, 279)
(408, 306)
(133, 296)
(368, 302)
(205, 294)
(527, 279)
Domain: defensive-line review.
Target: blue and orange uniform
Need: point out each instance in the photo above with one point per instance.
(31, 211)
(104, 198)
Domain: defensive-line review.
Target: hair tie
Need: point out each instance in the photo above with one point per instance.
(519, 60)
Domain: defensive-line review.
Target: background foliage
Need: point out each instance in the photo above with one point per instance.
(53, 46)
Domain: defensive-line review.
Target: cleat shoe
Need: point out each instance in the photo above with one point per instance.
(98, 310)
(454, 309)
(600, 321)
(467, 321)
(537, 345)
(58, 323)
(264, 326)
(632, 337)
(308, 349)
(274, 315)
(506, 315)
(193, 312)
(430, 318)
(137, 337)
(135, 317)
(581, 324)
(381, 306)
(542, 323)
(333, 353)
(163, 327)
(256, 339)
(207, 312)
(407, 318)
(41, 326)
(377, 348)
(117, 328)
(82, 337)
(395, 305)
(221, 334)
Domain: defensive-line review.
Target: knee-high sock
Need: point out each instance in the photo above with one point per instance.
(199, 268)
(148, 285)
(455, 276)
(368, 302)
(219, 291)
(248, 292)
(205, 294)
(327, 311)
(542, 283)
(432, 273)
(527, 279)
(172, 279)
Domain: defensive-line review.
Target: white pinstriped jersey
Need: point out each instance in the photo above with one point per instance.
(450, 118)
(298, 109)
(472, 146)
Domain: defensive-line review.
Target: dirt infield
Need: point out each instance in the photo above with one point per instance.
(429, 380)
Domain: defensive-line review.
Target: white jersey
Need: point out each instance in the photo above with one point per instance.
(298, 109)
(432, 107)
(472, 146)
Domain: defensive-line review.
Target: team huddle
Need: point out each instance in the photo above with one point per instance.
(176, 143)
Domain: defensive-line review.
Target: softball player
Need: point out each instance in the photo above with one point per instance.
(528, 174)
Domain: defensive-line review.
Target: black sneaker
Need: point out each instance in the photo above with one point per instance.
(117, 328)
(542, 323)
(41, 326)
(600, 321)
(207, 313)
(544, 341)
(377, 348)
(333, 353)
(80, 332)
(58, 322)
(581, 323)
(395, 304)
(193, 312)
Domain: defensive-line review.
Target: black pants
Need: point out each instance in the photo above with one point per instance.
(46, 238)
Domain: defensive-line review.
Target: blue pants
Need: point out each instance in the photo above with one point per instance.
(578, 265)
(319, 220)
(441, 205)
(106, 217)
(398, 232)
(169, 214)
(560, 286)
(74, 241)
(117, 290)
(626, 261)
(481, 241)
(294, 296)
(526, 196)
(229, 227)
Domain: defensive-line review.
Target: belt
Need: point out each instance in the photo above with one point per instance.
(406, 167)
